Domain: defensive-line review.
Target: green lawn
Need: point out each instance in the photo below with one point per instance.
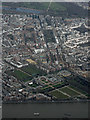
(58, 94)
(69, 91)
(79, 90)
(57, 7)
(19, 75)
(33, 70)
(63, 9)
(58, 85)
(38, 5)
(49, 36)
(46, 89)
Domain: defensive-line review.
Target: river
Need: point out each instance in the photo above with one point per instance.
(45, 110)
(21, 9)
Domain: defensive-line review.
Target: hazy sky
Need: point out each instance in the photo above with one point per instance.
(44, 0)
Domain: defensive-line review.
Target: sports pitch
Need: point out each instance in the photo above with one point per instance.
(58, 94)
(69, 91)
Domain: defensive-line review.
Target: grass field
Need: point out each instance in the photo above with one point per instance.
(58, 85)
(69, 91)
(19, 75)
(39, 6)
(79, 90)
(56, 8)
(46, 89)
(33, 70)
(58, 94)
(26, 73)
(49, 36)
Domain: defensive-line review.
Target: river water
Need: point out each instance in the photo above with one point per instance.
(21, 10)
(45, 110)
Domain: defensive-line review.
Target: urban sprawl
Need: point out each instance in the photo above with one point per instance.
(45, 58)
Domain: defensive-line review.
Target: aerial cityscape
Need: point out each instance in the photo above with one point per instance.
(45, 56)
